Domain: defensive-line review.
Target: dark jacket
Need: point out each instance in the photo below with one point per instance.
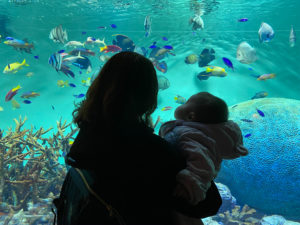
(135, 171)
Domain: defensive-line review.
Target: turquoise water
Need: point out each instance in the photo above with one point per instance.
(35, 18)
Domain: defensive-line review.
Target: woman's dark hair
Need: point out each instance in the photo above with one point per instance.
(124, 91)
(211, 109)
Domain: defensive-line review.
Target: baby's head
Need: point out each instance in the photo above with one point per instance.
(203, 107)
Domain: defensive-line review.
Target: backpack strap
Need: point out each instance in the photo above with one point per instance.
(111, 210)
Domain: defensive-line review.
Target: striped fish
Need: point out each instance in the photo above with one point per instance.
(55, 61)
(58, 35)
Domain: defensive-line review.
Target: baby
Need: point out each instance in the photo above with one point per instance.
(206, 137)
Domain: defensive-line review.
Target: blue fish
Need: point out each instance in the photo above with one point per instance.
(79, 96)
(9, 38)
(61, 51)
(72, 85)
(27, 101)
(168, 47)
(164, 38)
(52, 107)
(80, 72)
(36, 57)
(228, 63)
(153, 46)
(83, 32)
(260, 112)
(260, 94)
(93, 39)
(247, 120)
(113, 26)
(243, 20)
(247, 135)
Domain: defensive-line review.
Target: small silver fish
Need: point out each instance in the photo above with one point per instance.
(292, 38)
(147, 25)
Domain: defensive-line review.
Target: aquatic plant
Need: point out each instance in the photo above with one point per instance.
(29, 164)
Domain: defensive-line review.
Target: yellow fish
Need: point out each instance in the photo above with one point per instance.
(266, 76)
(14, 67)
(15, 104)
(29, 74)
(1, 109)
(216, 71)
(61, 83)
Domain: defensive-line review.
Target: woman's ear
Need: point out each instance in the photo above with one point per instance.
(191, 116)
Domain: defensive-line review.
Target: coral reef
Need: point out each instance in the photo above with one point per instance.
(30, 171)
(238, 216)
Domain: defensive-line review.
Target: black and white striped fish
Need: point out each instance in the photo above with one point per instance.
(58, 35)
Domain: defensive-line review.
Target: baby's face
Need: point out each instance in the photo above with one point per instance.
(186, 111)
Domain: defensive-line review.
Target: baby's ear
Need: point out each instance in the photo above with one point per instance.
(191, 116)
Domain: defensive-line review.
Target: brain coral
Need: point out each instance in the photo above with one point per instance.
(268, 179)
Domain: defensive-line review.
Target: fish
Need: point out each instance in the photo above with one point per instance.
(260, 94)
(21, 45)
(266, 76)
(83, 32)
(91, 40)
(61, 83)
(72, 85)
(124, 42)
(164, 38)
(260, 112)
(9, 38)
(110, 48)
(169, 47)
(228, 63)
(66, 70)
(71, 58)
(82, 51)
(161, 66)
(30, 94)
(61, 51)
(27, 101)
(206, 56)
(147, 25)
(29, 74)
(101, 27)
(79, 96)
(292, 38)
(163, 82)
(36, 57)
(58, 35)
(113, 26)
(141, 50)
(179, 99)
(152, 46)
(212, 71)
(12, 92)
(1, 109)
(104, 58)
(246, 53)
(15, 104)
(247, 135)
(52, 107)
(243, 20)
(166, 108)
(247, 120)
(55, 61)
(265, 33)
(74, 44)
(83, 63)
(196, 22)
(14, 67)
